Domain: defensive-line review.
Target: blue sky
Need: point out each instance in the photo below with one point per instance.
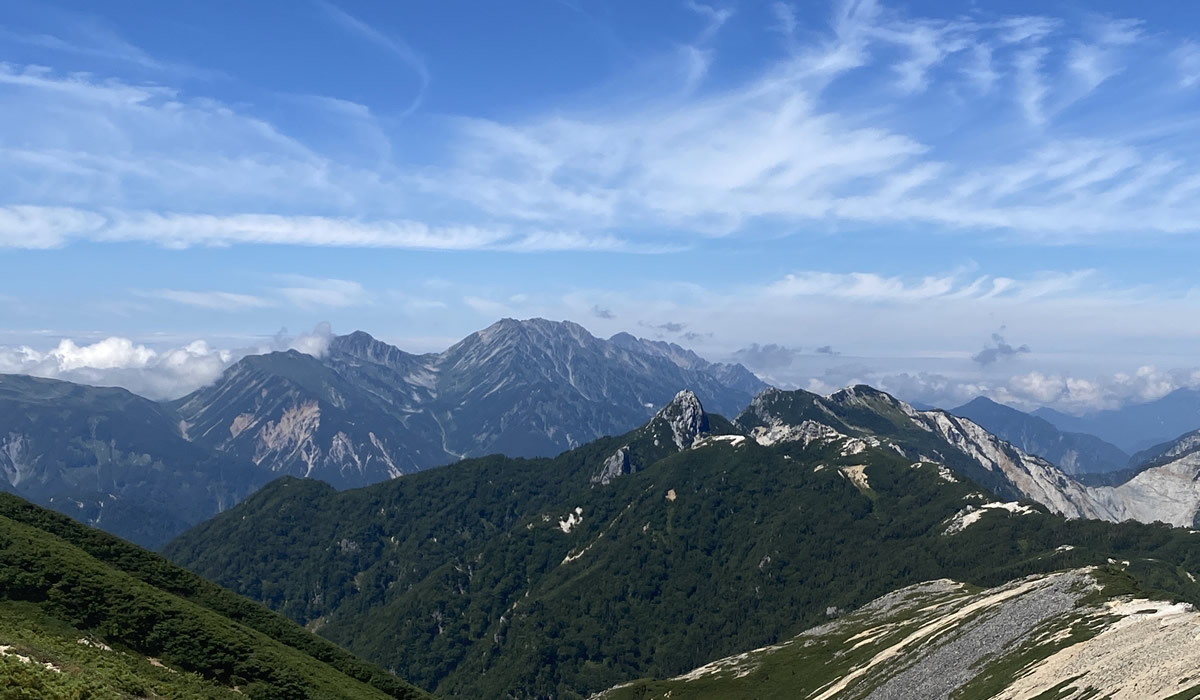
(947, 199)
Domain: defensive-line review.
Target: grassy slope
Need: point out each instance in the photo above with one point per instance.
(60, 576)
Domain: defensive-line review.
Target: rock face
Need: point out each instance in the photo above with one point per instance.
(112, 459)
(940, 640)
(686, 419)
(1166, 488)
(613, 467)
(1074, 453)
(368, 411)
(680, 425)
(290, 413)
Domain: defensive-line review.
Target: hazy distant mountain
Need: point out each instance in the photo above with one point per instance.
(112, 459)
(1137, 426)
(1074, 453)
(368, 411)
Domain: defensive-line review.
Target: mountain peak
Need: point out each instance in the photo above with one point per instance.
(686, 418)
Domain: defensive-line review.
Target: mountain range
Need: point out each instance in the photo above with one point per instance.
(626, 533)
(363, 412)
(653, 553)
(367, 411)
(1137, 426)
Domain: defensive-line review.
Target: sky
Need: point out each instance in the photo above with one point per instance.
(940, 199)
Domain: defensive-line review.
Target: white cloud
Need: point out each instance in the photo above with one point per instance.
(311, 292)
(121, 362)
(220, 301)
(1187, 58)
(164, 373)
(49, 227)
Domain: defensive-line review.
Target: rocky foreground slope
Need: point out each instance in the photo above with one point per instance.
(1070, 634)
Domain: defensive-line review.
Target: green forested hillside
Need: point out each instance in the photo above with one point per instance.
(113, 620)
(521, 578)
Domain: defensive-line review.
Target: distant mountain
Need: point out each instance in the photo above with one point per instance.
(1074, 453)
(86, 615)
(691, 536)
(1138, 426)
(112, 459)
(342, 420)
(920, 642)
(368, 411)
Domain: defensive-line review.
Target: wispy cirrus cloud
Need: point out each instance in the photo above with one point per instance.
(779, 149)
(390, 43)
(214, 300)
(312, 293)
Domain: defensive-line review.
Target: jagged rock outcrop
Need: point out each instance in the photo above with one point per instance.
(685, 417)
(613, 467)
(680, 425)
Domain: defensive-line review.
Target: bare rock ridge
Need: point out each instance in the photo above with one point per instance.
(368, 411)
(1168, 490)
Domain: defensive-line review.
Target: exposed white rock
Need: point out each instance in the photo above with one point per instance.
(571, 520)
(971, 515)
(616, 465)
(1169, 493)
(857, 475)
(806, 433)
(731, 440)
(686, 418)
(7, 650)
(1035, 478)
